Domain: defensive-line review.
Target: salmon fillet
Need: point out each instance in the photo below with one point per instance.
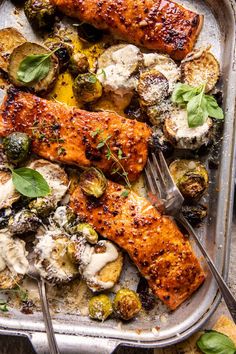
(161, 252)
(71, 136)
(161, 25)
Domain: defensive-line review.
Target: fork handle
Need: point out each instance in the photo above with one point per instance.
(53, 348)
(225, 291)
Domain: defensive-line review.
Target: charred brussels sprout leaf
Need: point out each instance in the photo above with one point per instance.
(62, 50)
(42, 206)
(213, 342)
(93, 182)
(30, 183)
(16, 147)
(100, 307)
(88, 33)
(126, 304)
(87, 88)
(194, 213)
(40, 13)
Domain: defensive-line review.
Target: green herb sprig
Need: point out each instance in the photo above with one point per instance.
(35, 67)
(119, 169)
(199, 105)
(213, 342)
(3, 306)
(29, 182)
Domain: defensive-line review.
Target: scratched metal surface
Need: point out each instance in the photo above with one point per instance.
(74, 331)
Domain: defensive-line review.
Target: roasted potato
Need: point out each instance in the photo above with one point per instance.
(8, 193)
(9, 280)
(19, 54)
(200, 68)
(152, 88)
(177, 131)
(10, 38)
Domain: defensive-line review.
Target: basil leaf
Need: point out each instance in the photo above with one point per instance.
(179, 91)
(34, 68)
(213, 342)
(213, 108)
(197, 112)
(30, 183)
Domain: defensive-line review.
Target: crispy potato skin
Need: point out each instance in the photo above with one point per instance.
(161, 252)
(155, 24)
(53, 127)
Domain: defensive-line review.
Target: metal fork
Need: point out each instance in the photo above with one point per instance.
(34, 274)
(160, 183)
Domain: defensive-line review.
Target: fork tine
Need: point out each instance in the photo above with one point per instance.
(149, 181)
(154, 178)
(158, 172)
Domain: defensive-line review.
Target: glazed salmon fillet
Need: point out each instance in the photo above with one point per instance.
(161, 25)
(161, 252)
(72, 136)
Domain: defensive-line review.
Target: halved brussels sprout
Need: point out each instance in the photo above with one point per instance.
(86, 231)
(16, 147)
(78, 64)
(23, 222)
(93, 182)
(42, 207)
(153, 87)
(100, 307)
(191, 177)
(194, 213)
(53, 260)
(126, 304)
(40, 13)
(87, 88)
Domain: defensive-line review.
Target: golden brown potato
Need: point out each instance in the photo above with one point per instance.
(10, 38)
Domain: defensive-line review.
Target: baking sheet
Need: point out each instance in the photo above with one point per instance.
(218, 30)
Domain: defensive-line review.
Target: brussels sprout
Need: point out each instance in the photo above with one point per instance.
(100, 307)
(64, 217)
(23, 222)
(93, 182)
(63, 53)
(78, 64)
(40, 13)
(191, 177)
(5, 215)
(194, 213)
(42, 207)
(126, 304)
(158, 141)
(89, 33)
(16, 146)
(86, 231)
(87, 88)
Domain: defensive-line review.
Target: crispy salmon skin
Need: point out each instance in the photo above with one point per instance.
(160, 251)
(161, 25)
(71, 136)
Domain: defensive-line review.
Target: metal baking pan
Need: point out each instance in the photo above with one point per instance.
(75, 333)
